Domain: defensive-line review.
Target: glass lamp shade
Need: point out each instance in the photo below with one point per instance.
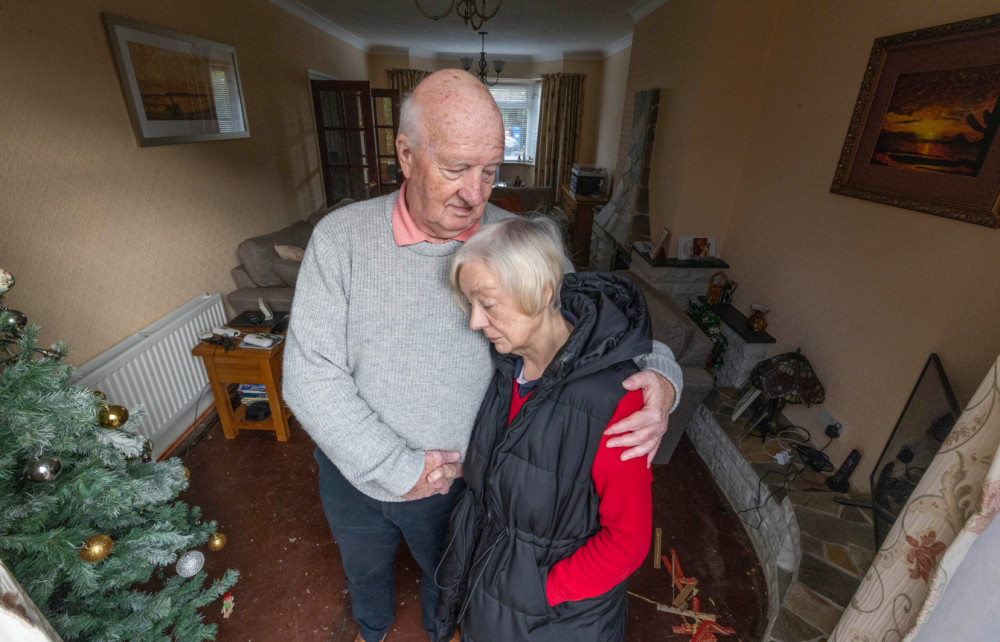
(466, 63)
(498, 65)
(789, 377)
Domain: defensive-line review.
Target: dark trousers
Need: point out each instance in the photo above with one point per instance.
(368, 532)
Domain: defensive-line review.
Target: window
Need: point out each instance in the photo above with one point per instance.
(519, 104)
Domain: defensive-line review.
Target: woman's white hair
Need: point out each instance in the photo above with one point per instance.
(525, 254)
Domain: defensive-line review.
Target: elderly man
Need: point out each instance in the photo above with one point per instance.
(381, 368)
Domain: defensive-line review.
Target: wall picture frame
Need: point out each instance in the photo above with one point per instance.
(923, 132)
(695, 248)
(177, 88)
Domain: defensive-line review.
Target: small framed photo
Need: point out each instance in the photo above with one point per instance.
(177, 88)
(695, 248)
(660, 247)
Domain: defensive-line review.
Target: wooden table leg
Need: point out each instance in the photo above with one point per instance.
(274, 400)
(222, 404)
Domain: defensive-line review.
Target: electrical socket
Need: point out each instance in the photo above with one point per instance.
(826, 418)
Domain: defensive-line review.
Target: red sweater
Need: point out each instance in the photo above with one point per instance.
(626, 513)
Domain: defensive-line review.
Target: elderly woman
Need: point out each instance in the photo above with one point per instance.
(552, 521)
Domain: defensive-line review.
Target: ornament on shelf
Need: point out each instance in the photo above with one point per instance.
(43, 469)
(757, 321)
(15, 320)
(6, 281)
(112, 416)
(228, 603)
(715, 284)
(190, 563)
(96, 548)
(216, 541)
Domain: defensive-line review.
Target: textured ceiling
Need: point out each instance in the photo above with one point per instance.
(521, 29)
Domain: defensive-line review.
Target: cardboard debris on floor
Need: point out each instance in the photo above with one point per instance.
(684, 591)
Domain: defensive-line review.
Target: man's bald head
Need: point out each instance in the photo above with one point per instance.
(450, 147)
(449, 98)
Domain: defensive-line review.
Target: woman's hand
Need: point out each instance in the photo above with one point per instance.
(642, 431)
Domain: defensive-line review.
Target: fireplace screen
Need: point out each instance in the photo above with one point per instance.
(924, 424)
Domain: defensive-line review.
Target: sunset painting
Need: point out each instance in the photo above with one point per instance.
(173, 85)
(941, 121)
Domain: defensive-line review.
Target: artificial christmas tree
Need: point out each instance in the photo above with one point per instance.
(88, 525)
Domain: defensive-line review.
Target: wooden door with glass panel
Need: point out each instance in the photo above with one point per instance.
(353, 164)
(386, 108)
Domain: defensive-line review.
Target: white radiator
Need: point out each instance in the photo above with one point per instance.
(155, 370)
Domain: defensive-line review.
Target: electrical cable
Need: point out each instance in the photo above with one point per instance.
(813, 459)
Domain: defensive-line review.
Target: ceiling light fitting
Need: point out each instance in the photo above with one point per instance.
(483, 71)
(475, 12)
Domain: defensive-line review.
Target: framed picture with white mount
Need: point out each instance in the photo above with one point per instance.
(177, 88)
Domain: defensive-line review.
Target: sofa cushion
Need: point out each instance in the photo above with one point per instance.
(288, 270)
(289, 252)
(672, 326)
(257, 254)
(278, 299)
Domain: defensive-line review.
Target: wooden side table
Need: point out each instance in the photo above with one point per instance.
(245, 365)
(580, 211)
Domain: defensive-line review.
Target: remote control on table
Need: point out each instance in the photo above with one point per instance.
(838, 480)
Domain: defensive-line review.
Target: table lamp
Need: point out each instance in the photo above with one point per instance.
(784, 379)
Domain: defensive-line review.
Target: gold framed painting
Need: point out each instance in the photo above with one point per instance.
(923, 132)
(178, 88)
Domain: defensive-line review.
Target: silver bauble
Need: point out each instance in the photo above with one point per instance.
(190, 563)
(43, 469)
(15, 320)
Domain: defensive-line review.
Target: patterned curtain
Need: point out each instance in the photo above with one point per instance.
(404, 80)
(951, 507)
(558, 128)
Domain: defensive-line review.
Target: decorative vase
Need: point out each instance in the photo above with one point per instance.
(757, 321)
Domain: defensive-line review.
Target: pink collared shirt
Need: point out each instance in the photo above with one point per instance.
(406, 232)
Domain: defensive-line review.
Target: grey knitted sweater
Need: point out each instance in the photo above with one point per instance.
(380, 364)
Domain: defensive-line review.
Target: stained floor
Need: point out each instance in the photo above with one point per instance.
(262, 493)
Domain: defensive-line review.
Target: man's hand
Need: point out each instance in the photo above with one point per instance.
(433, 462)
(644, 429)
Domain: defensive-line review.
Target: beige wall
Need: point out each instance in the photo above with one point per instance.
(610, 112)
(103, 236)
(866, 290)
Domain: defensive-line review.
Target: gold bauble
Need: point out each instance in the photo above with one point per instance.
(112, 416)
(96, 548)
(187, 473)
(216, 541)
(98, 393)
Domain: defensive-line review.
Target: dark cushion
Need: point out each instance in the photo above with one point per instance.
(258, 256)
(288, 270)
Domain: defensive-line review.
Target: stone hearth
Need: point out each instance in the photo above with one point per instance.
(814, 551)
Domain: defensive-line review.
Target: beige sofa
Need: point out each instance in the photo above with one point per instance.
(691, 347)
(263, 274)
